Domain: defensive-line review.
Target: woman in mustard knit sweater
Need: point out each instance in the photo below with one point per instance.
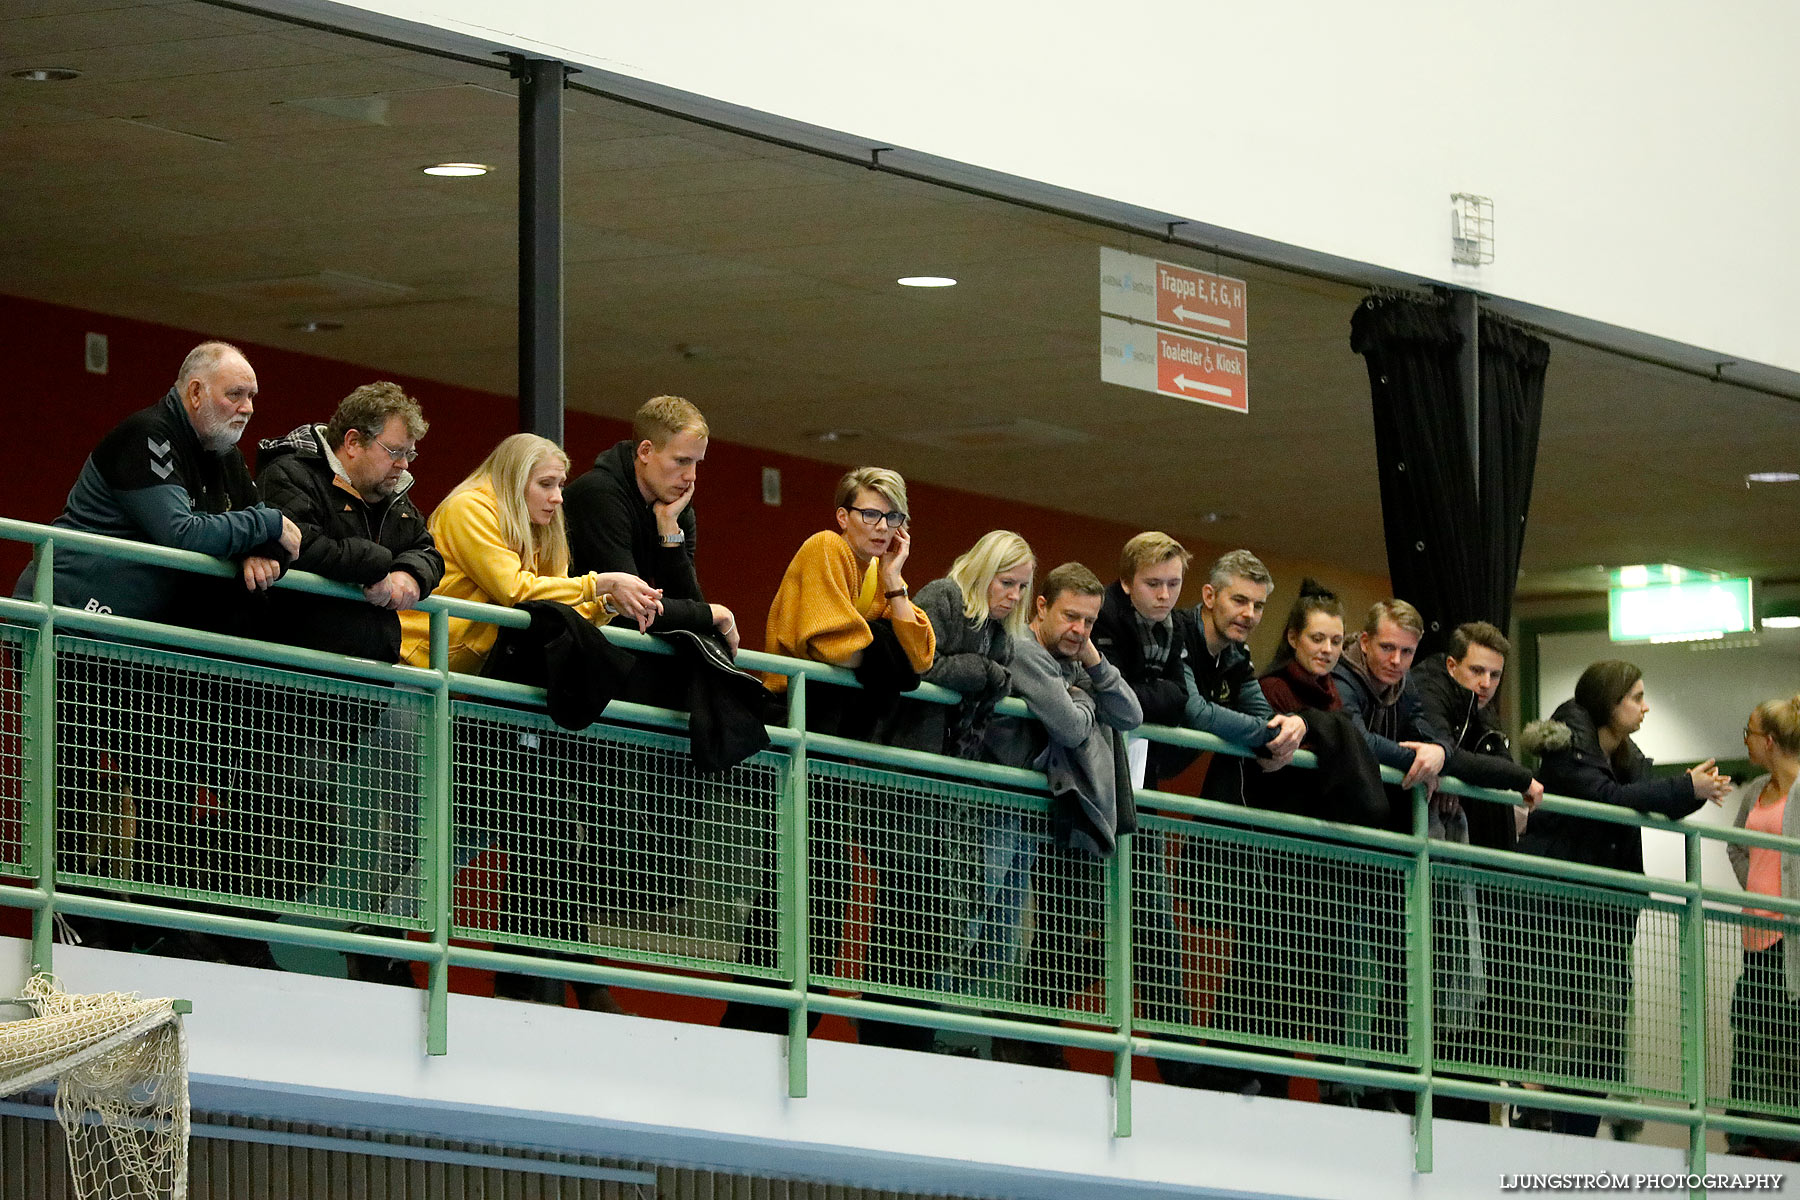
(840, 580)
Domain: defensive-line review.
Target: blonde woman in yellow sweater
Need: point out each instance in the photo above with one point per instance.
(502, 536)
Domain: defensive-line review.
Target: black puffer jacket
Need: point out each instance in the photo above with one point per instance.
(342, 537)
(1574, 765)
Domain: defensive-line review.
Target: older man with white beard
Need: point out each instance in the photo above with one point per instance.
(130, 805)
(171, 474)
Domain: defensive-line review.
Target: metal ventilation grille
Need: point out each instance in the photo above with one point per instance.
(239, 1158)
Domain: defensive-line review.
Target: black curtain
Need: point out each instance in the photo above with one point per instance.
(1453, 541)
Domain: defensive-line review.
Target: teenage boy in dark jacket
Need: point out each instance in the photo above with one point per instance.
(1456, 691)
(1139, 633)
(345, 485)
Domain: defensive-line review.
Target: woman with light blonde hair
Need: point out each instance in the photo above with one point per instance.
(503, 539)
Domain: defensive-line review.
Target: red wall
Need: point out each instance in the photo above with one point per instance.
(744, 544)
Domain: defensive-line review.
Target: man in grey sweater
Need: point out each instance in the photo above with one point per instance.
(1083, 707)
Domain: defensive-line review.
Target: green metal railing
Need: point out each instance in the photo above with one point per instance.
(146, 771)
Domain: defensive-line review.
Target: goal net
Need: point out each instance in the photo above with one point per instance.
(120, 1066)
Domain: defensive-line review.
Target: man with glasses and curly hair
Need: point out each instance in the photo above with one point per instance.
(345, 485)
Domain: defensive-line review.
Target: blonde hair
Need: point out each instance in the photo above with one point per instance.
(977, 567)
(883, 482)
(662, 417)
(1780, 719)
(543, 549)
(1402, 614)
(1150, 549)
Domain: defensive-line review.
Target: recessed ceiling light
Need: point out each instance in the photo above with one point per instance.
(1771, 477)
(456, 170)
(833, 435)
(926, 281)
(316, 326)
(1213, 518)
(47, 74)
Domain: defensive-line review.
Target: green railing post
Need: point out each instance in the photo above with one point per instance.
(440, 843)
(1693, 1008)
(792, 838)
(1418, 968)
(41, 746)
(1120, 991)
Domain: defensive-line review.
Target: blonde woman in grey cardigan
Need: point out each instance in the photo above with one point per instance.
(1765, 1015)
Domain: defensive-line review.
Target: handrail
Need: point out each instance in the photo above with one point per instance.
(305, 581)
(1689, 897)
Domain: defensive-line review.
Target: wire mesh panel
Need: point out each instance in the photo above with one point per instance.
(190, 777)
(608, 842)
(1753, 1024)
(1535, 980)
(1270, 941)
(17, 845)
(942, 891)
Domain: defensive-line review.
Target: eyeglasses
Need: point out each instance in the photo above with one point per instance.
(1749, 732)
(874, 516)
(399, 456)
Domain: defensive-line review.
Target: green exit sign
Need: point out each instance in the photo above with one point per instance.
(1669, 604)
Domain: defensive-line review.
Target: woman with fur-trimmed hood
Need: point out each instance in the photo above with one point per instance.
(1587, 753)
(1566, 960)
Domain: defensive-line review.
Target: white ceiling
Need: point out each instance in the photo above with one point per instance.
(230, 173)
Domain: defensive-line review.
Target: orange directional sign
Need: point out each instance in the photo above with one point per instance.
(1174, 364)
(1166, 293)
(1200, 301)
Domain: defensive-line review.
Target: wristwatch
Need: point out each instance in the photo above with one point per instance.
(896, 593)
(672, 540)
(606, 605)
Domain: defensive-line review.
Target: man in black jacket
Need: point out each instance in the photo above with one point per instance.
(1139, 633)
(344, 484)
(634, 512)
(1456, 691)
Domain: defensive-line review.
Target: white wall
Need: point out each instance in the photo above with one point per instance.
(1637, 150)
(329, 1051)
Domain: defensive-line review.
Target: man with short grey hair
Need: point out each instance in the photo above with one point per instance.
(171, 474)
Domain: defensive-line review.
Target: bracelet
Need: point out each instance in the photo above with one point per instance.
(896, 593)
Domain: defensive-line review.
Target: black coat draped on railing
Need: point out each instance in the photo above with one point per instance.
(1453, 540)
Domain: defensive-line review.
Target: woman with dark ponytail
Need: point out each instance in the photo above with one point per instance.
(1576, 952)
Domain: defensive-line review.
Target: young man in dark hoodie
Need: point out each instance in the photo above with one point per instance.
(1371, 680)
(634, 511)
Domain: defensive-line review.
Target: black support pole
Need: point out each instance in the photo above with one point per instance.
(540, 246)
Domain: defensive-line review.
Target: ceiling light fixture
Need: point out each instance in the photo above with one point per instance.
(926, 281)
(316, 326)
(47, 74)
(833, 435)
(1781, 622)
(1213, 518)
(456, 170)
(1771, 477)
